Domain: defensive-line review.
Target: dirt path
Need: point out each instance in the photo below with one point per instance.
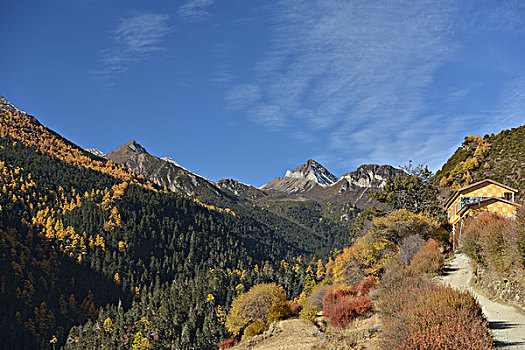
(508, 325)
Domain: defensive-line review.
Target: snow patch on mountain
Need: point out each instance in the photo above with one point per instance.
(96, 152)
(170, 160)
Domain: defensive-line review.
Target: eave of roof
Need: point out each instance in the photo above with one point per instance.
(458, 191)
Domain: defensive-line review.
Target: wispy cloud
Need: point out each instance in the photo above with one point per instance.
(196, 10)
(361, 72)
(134, 39)
(511, 107)
(242, 95)
(269, 115)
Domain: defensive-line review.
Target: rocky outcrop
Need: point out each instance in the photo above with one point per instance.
(164, 172)
(370, 175)
(303, 178)
(239, 189)
(312, 181)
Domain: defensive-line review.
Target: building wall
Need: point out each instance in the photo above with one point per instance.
(489, 190)
(453, 210)
(503, 209)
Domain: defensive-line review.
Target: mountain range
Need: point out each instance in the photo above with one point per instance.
(113, 250)
(309, 181)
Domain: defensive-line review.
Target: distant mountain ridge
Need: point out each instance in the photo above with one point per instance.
(313, 181)
(164, 171)
(301, 179)
(310, 180)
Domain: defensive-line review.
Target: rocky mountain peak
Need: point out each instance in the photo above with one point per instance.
(313, 171)
(371, 175)
(125, 152)
(135, 147)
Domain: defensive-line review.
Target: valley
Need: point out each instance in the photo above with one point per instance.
(129, 250)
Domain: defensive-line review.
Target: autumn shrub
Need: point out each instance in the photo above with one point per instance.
(254, 328)
(264, 302)
(487, 240)
(471, 239)
(429, 259)
(365, 258)
(341, 308)
(403, 223)
(341, 305)
(316, 298)
(295, 308)
(227, 343)
(363, 287)
(419, 314)
(516, 238)
(497, 246)
(409, 247)
(309, 313)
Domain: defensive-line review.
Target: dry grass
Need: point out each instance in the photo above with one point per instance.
(293, 334)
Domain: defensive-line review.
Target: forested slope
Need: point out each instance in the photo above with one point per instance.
(500, 157)
(78, 233)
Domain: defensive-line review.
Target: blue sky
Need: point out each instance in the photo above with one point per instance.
(248, 89)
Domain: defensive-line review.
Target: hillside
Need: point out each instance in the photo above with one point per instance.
(167, 173)
(86, 240)
(325, 218)
(500, 157)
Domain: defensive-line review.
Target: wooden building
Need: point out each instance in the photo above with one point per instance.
(486, 195)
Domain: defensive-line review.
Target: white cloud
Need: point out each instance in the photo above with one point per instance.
(511, 107)
(269, 115)
(134, 39)
(196, 10)
(242, 95)
(362, 71)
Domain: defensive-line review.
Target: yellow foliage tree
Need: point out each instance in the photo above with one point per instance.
(264, 302)
(108, 325)
(371, 252)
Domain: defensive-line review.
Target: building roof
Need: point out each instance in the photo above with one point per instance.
(476, 185)
(484, 202)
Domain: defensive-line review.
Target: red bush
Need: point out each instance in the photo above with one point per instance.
(227, 343)
(418, 314)
(363, 287)
(295, 308)
(342, 305)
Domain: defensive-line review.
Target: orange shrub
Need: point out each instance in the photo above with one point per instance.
(418, 314)
(363, 287)
(343, 305)
(428, 260)
(227, 343)
(294, 308)
(487, 241)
